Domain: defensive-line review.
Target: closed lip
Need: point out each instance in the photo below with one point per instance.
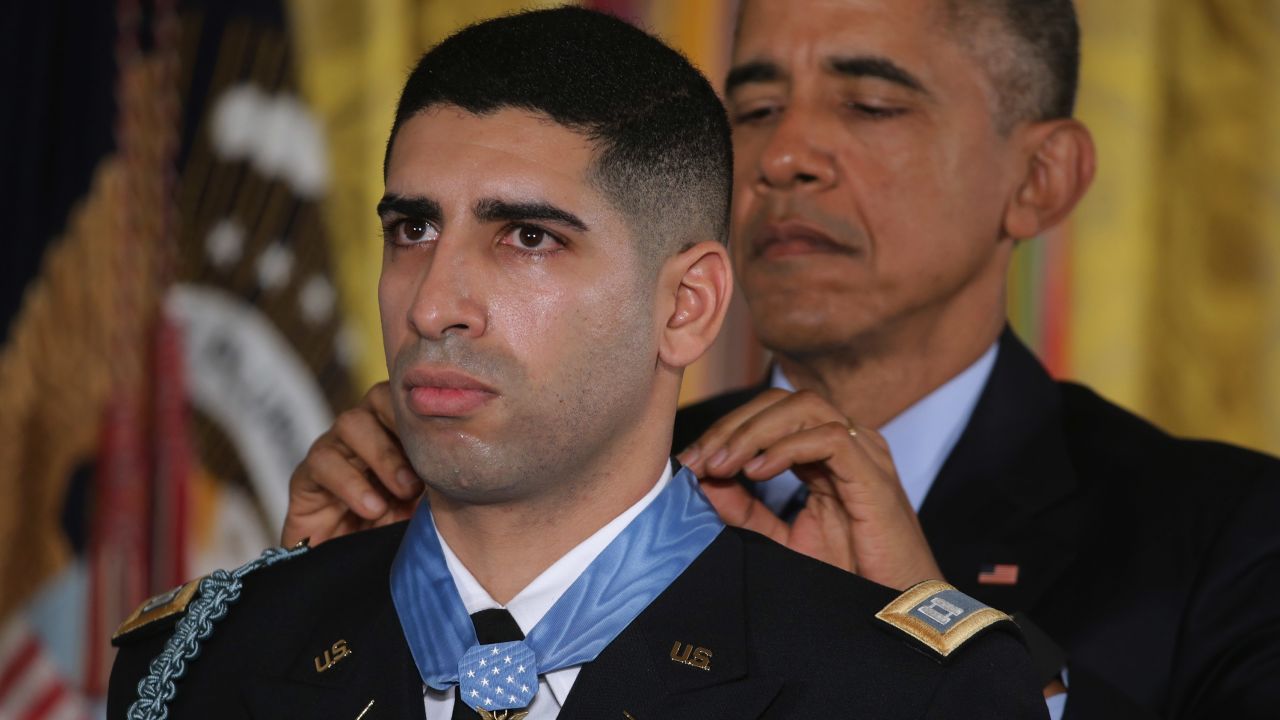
(444, 379)
(441, 393)
(793, 237)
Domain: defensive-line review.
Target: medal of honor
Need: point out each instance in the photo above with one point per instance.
(495, 680)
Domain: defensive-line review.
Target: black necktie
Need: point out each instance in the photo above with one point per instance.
(492, 626)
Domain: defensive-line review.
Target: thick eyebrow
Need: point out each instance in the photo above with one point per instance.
(494, 210)
(876, 67)
(413, 207)
(764, 71)
(755, 71)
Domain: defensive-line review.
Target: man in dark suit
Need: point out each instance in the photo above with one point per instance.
(889, 156)
(536, 322)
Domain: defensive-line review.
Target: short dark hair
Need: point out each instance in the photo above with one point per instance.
(1032, 52)
(663, 156)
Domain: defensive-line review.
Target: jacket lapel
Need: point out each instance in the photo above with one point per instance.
(1006, 493)
(685, 656)
(359, 663)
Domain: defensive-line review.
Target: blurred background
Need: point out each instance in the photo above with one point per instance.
(191, 252)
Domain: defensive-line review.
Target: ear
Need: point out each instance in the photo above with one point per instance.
(1060, 166)
(696, 286)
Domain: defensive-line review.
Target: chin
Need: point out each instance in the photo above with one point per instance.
(472, 471)
(797, 332)
(466, 478)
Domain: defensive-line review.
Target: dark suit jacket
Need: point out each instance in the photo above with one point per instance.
(790, 638)
(1154, 562)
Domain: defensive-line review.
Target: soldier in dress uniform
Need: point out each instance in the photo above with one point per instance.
(557, 192)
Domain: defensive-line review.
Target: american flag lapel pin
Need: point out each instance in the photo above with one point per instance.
(998, 574)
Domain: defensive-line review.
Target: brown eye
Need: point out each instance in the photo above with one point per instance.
(413, 232)
(532, 237)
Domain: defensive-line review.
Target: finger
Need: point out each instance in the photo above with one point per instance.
(396, 512)
(327, 479)
(739, 508)
(870, 474)
(876, 447)
(368, 440)
(794, 413)
(694, 457)
(316, 514)
(823, 530)
(862, 486)
(872, 436)
(378, 399)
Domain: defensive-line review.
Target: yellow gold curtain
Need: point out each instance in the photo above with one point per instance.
(1176, 250)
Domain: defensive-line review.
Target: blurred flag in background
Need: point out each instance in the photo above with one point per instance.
(191, 256)
(175, 339)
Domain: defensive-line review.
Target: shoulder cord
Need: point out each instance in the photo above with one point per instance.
(216, 593)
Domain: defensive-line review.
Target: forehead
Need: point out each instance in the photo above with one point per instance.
(507, 152)
(801, 35)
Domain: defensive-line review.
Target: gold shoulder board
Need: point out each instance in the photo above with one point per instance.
(939, 616)
(165, 605)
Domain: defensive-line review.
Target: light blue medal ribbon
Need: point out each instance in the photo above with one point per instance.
(629, 574)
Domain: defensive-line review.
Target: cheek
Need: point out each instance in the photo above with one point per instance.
(532, 321)
(928, 205)
(395, 294)
(561, 332)
(746, 158)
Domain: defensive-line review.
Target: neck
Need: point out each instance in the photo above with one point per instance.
(506, 545)
(885, 372)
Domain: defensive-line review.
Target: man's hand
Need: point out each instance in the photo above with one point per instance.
(355, 476)
(857, 516)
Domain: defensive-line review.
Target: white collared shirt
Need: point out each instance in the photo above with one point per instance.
(528, 607)
(920, 438)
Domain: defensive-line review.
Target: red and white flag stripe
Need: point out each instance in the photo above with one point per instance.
(31, 686)
(998, 575)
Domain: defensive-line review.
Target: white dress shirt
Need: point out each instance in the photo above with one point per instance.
(528, 607)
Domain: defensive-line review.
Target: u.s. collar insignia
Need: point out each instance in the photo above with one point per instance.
(939, 616)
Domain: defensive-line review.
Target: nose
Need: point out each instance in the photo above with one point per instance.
(797, 154)
(448, 298)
